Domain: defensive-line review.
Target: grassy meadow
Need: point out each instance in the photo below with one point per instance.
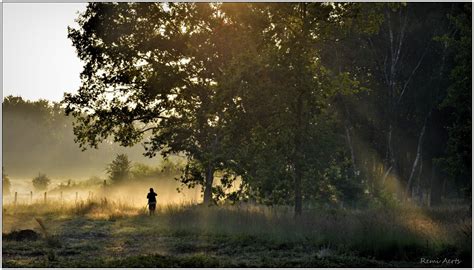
(99, 233)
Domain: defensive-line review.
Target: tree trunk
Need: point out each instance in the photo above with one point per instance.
(298, 196)
(435, 194)
(395, 48)
(208, 185)
(386, 175)
(298, 157)
(389, 158)
(348, 127)
(418, 177)
(417, 158)
(443, 192)
(301, 124)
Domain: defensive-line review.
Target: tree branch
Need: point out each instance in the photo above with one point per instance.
(411, 75)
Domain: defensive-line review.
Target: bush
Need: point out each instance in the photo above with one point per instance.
(119, 169)
(166, 168)
(6, 184)
(41, 182)
(141, 171)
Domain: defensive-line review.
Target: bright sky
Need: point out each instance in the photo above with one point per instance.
(39, 60)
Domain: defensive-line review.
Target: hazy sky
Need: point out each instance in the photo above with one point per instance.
(39, 60)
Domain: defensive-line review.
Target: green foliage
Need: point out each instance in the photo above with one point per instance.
(385, 199)
(119, 169)
(300, 102)
(192, 174)
(458, 160)
(142, 171)
(166, 84)
(72, 185)
(167, 168)
(41, 182)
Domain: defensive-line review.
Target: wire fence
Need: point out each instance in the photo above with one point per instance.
(25, 198)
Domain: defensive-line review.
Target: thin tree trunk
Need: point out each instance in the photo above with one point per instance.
(435, 194)
(347, 126)
(298, 157)
(351, 148)
(389, 159)
(430, 193)
(395, 52)
(208, 185)
(298, 196)
(417, 158)
(443, 192)
(418, 177)
(300, 122)
(386, 175)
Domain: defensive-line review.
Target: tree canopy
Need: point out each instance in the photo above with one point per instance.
(297, 102)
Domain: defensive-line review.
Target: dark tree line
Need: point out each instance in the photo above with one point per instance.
(296, 103)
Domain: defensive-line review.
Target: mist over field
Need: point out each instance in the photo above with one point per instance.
(38, 138)
(133, 194)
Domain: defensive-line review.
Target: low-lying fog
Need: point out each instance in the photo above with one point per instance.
(131, 193)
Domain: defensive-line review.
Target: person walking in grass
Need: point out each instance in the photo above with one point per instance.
(151, 201)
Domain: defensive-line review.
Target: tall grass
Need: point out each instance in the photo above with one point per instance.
(403, 233)
(397, 234)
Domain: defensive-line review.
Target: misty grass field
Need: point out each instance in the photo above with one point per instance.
(95, 233)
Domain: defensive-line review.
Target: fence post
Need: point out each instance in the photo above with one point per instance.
(31, 197)
(16, 196)
(45, 199)
(104, 195)
(61, 197)
(76, 197)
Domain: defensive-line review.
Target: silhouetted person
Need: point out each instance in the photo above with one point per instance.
(151, 201)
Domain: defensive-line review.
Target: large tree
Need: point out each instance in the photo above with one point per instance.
(179, 75)
(152, 74)
(297, 99)
(284, 95)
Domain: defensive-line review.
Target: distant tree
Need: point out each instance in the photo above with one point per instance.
(41, 182)
(119, 169)
(33, 128)
(6, 183)
(142, 171)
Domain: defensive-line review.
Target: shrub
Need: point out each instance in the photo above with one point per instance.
(6, 183)
(41, 182)
(119, 169)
